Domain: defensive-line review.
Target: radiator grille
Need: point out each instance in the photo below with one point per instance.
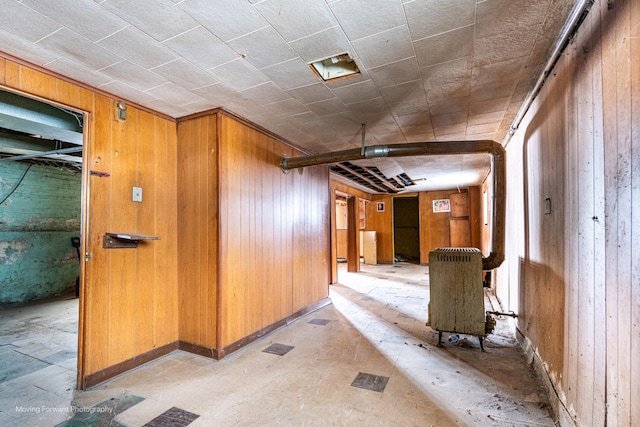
(456, 291)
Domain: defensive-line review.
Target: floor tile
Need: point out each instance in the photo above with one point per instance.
(174, 417)
(321, 322)
(279, 349)
(370, 382)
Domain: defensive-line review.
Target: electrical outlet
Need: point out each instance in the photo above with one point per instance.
(137, 194)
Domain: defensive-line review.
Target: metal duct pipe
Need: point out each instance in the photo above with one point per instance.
(496, 150)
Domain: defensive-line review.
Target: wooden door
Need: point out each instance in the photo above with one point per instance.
(459, 225)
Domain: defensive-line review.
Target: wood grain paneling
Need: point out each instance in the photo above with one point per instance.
(275, 233)
(128, 304)
(578, 277)
(382, 224)
(198, 226)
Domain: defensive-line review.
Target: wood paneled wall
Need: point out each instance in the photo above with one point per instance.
(382, 223)
(434, 226)
(274, 233)
(128, 304)
(573, 274)
(198, 231)
(255, 240)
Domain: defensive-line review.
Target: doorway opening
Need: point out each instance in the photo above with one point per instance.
(406, 229)
(42, 185)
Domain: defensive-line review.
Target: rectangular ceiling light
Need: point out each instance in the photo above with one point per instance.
(335, 67)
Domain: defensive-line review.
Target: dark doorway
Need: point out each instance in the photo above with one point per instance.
(406, 229)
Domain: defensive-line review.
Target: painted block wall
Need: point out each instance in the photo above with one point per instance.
(37, 221)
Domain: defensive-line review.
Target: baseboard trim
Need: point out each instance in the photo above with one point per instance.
(105, 374)
(561, 414)
(120, 368)
(233, 347)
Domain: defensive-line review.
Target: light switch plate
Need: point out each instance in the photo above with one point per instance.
(137, 194)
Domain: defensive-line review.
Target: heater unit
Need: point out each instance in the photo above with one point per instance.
(456, 290)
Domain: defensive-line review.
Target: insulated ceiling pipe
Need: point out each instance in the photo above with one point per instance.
(496, 150)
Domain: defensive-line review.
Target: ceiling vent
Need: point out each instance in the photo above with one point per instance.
(335, 67)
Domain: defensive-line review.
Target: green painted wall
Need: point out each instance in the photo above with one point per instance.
(37, 222)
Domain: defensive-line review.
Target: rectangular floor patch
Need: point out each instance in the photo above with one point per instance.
(319, 321)
(370, 382)
(279, 349)
(174, 417)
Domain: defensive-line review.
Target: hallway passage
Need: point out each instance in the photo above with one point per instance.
(366, 360)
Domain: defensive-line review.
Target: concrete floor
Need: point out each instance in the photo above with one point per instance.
(366, 360)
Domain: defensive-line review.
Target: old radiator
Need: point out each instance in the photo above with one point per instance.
(457, 294)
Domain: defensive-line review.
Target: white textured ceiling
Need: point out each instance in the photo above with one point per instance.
(431, 70)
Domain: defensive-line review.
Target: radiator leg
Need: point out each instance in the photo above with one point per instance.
(439, 338)
(481, 343)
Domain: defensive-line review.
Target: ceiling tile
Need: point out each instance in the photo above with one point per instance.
(291, 74)
(396, 73)
(414, 102)
(12, 21)
(323, 44)
(496, 17)
(263, 47)
(160, 19)
(174, 94)
(384, 48)
(438, 49)
(126, 92)
(370, 107)
(201, 48)
(492, 91)
(294, 19)
(137, 47)
(238, 74)
(457, 71)
(492, 72)
(489, 106)
(78, 71)
(227, 19)
(28, 51)
(167, 108)
(88, 19)
(73, 46)
(328, 107)
(404, 92)
(217, 93)
(198, 106)
(357, 92)
(449, 119)
(364, 18)
(451, 132)
(451, 105)
(134, 75)
(484, 118)
(431, 17)
(265, 93)
(185, 74)
(288, 107)
(312, 93)
(447, 91)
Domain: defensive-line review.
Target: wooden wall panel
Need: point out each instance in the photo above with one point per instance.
(382, 224)
(198, 231)
(434, 227)
(578, 146)
(275, 255)
(125, 311)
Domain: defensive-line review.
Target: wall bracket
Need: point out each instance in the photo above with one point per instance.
(124, 240)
